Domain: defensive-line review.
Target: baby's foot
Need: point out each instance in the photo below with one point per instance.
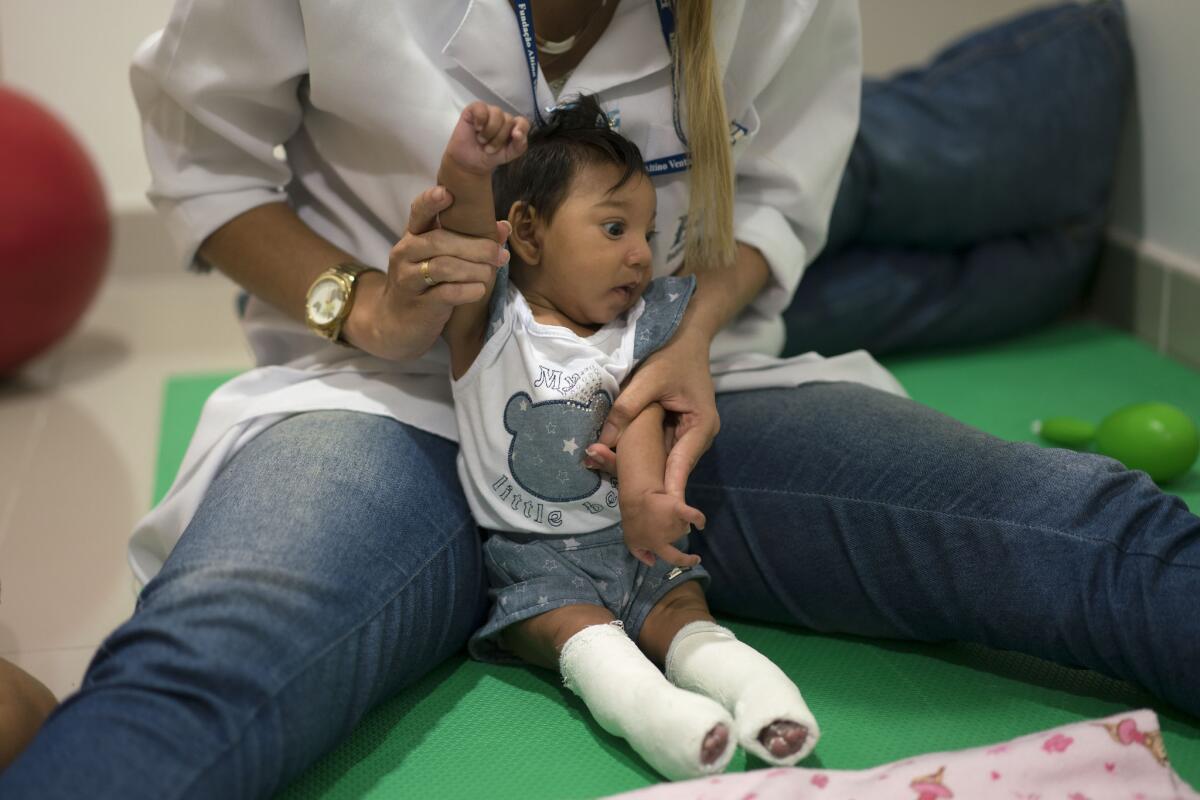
(714, 744)
(486, 137)
(783, 738)
(679, 733)
(771, 719)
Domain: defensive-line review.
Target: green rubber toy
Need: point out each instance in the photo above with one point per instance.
(1157, 438)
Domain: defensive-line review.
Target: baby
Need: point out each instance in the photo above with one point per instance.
(582, 575)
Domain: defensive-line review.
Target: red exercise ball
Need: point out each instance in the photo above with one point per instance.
(55, 230)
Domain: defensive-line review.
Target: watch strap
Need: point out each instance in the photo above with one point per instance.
(348, 272)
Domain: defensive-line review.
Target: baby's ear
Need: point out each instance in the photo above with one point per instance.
(526, 238)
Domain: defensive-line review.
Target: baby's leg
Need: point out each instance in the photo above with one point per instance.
(771, 718)
(679, 733)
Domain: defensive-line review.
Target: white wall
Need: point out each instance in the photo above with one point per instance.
(898, 33)
(1157, 199)
(1156, 205)
(74, 56)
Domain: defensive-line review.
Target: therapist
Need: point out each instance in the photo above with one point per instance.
(316, 555)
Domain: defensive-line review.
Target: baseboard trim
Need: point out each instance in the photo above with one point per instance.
(1150, 291)
(1163, 257)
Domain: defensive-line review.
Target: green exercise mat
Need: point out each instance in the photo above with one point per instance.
(470, 730)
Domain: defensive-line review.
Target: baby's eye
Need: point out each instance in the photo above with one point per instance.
(614, 229)
(650, 235)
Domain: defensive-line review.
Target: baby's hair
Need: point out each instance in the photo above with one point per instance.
(577, 134)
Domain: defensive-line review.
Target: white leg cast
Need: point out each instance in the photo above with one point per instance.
(707, 658)
(630, 698)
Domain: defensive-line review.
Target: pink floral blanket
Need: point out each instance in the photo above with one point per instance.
(1119, 757)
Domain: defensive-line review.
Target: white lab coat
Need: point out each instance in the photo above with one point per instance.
(363, 94)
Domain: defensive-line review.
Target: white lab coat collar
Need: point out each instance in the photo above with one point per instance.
(487, 43)
(632, 48)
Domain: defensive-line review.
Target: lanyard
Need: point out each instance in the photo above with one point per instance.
(666, 165)
(666, 18)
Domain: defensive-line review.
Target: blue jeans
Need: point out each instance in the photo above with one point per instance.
(334, 561)
(974, 202)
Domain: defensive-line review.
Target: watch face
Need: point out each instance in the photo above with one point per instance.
(325, 301)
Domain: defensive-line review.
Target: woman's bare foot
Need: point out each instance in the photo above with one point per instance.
(783, 738)
(24, 705)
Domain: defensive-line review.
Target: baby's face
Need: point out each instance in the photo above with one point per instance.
(596, 258)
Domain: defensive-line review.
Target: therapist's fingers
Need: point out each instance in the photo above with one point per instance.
(682, 458)
(457, 294)
(413, 250)
(634, 398)
(441, 242)
(424, 210)
(443, 270)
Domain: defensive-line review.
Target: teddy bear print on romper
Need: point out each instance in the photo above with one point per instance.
(528, 408)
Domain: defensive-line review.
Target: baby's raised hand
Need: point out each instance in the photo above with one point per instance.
(653, 521)
(486, 137)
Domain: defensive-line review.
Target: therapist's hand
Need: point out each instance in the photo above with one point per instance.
(398, 315)
(678, 378)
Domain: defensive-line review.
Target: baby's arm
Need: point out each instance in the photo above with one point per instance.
(484, 138)
(651, 518)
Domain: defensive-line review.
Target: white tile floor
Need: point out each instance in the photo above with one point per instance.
(78, 439)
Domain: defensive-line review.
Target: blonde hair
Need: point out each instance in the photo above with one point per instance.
(710, 240)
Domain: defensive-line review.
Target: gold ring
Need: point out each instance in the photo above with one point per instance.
(425, 274)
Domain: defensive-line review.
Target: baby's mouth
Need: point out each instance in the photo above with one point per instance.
(626, 291)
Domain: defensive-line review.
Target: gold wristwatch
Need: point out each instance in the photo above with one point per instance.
(330, 299)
